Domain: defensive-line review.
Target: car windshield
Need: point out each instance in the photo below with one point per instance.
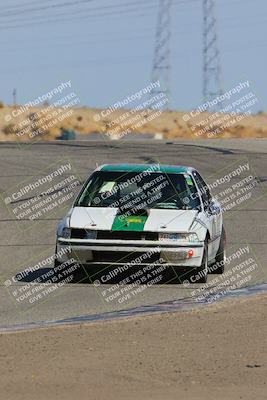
(137, 191)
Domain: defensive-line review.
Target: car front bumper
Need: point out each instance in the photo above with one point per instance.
(121, 252)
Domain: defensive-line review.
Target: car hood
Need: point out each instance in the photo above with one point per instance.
(156, 221)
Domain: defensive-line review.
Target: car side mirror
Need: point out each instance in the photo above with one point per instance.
(206, 205)
(213, 207)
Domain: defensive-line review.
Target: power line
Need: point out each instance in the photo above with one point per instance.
(22, 5)
(82, 11)
(45, 7)
(137, 10)
(137, 3)
(196, 29)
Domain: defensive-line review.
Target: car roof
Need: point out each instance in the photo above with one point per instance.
(174, 169)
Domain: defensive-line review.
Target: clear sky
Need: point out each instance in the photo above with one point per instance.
(105, 47)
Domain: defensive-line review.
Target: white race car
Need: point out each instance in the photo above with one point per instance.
(151, 213)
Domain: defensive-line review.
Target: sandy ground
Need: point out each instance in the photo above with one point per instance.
(169, 124)
(214, 353)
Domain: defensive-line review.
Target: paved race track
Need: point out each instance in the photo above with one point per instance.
(25, 242)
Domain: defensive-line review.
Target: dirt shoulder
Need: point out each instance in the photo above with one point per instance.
(213, 353)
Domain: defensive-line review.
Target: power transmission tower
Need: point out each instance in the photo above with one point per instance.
(211, 57)
(14, 94)
(161, 63)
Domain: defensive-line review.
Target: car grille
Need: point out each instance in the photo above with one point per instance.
(78, 233)
(127, 235)
(115, 235)
(125, 257)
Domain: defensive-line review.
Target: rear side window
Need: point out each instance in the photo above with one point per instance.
(191, 192)
(203, 188)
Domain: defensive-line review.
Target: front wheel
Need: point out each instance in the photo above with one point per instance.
(203, 270)
(56, 262)
(200, 274)
(218, 266)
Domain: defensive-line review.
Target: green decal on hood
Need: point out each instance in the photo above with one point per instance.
(129, 223)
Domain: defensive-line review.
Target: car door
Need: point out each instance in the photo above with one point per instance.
(211, 214)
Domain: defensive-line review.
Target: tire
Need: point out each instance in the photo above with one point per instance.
(56, 262)
(218, 266)
(203, 269)
(200, 274)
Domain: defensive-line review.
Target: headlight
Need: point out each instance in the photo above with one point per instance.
(178, 237)
(66, 233)
(90, 234)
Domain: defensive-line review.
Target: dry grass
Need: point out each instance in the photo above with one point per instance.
(171, 124)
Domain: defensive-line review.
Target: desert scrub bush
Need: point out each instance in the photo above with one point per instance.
(9, 129)
(2, 104)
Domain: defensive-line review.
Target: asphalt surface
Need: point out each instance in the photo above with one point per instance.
(25, 242)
